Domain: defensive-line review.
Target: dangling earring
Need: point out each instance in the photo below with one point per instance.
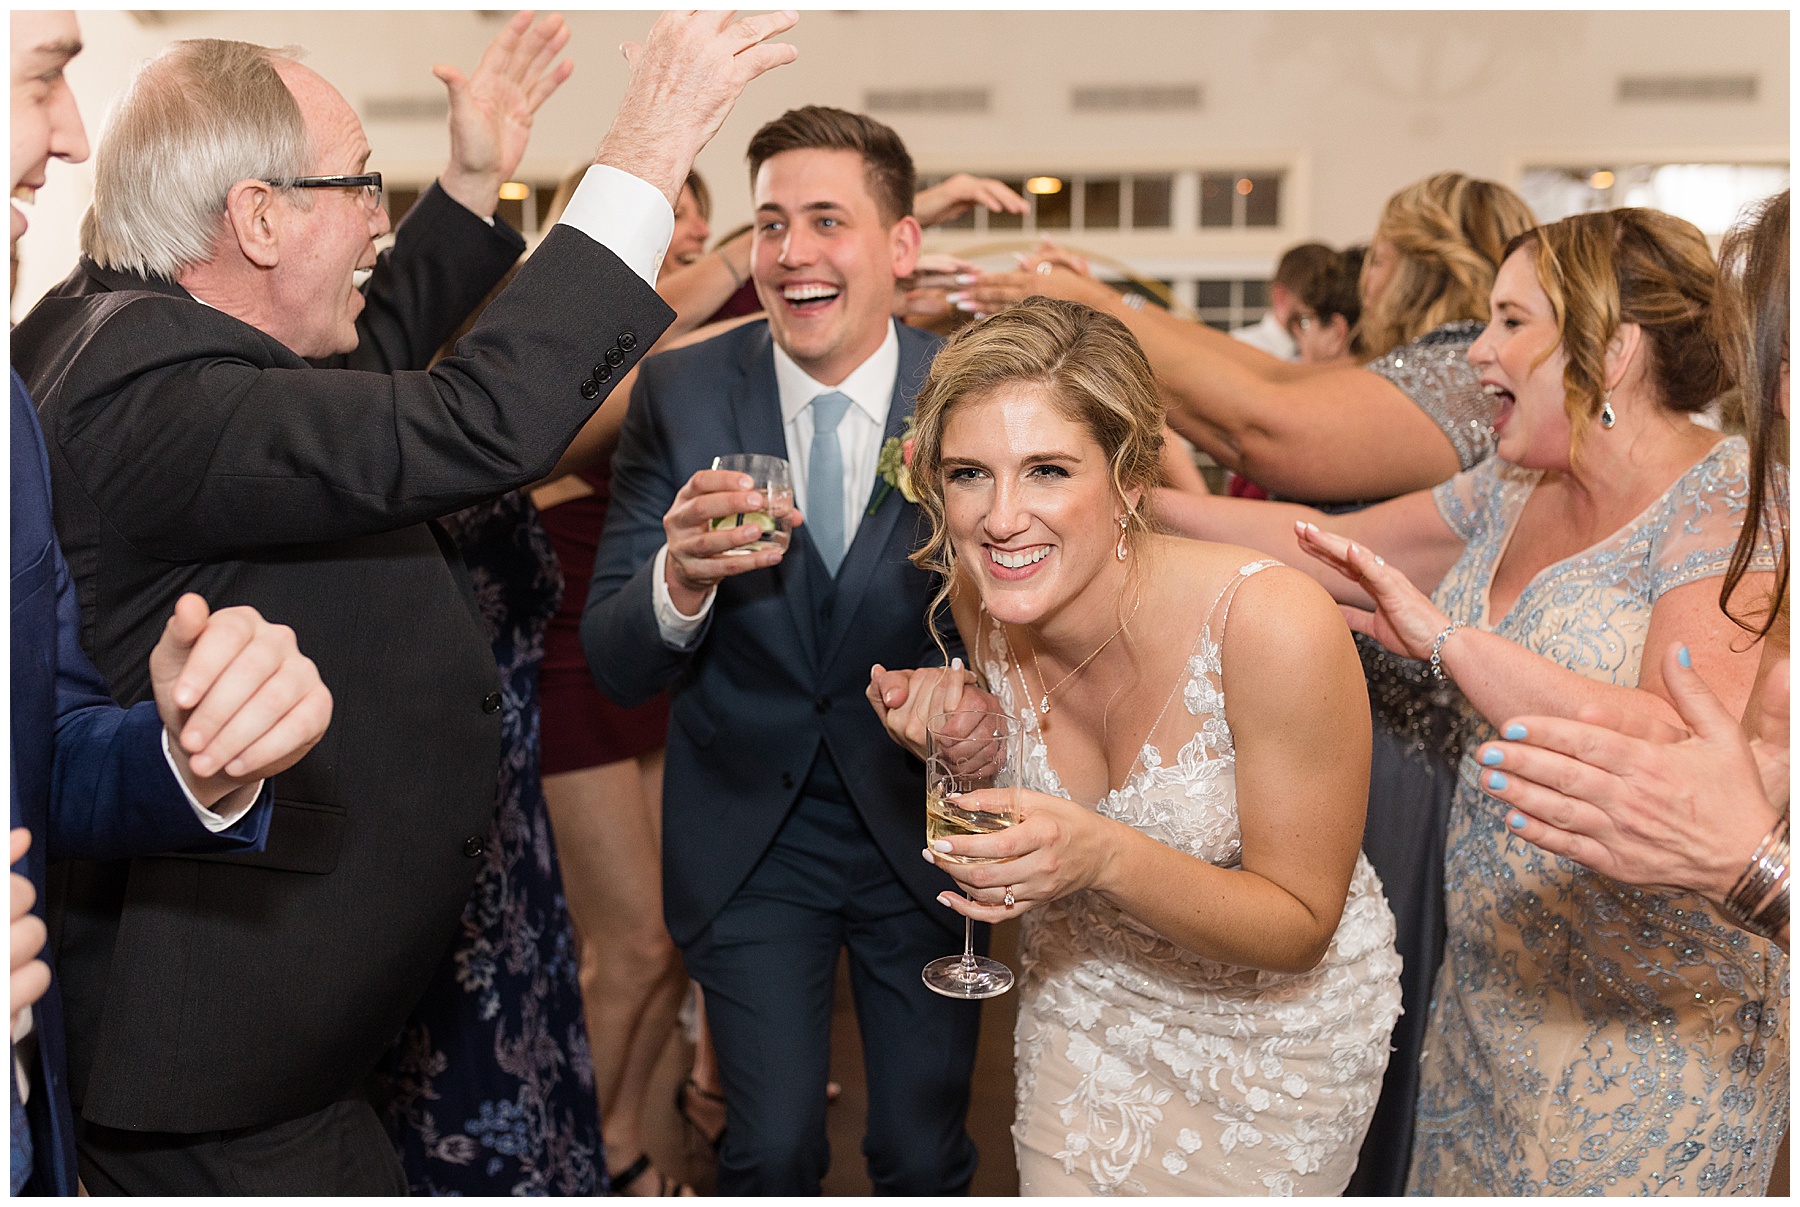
(1123, 550)
(1607, 418)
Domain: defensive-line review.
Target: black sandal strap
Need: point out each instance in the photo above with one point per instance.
(616, 1182)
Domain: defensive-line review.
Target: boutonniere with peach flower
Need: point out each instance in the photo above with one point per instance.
(894, 467)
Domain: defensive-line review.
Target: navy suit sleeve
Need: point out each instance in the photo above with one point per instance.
(625, 650)
(112, 792)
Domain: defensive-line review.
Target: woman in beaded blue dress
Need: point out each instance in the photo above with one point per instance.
(1586, 1036)
(1342, 436)
(490, 1089)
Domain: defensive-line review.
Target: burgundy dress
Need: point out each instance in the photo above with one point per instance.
(581, 727)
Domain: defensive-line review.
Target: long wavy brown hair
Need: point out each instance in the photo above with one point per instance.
(1451, 231)
(1751, 321)
(1630, 266)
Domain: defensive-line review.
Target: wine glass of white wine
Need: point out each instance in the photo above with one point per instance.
(968, 750)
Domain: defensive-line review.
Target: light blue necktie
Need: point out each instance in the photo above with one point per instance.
(825, 480)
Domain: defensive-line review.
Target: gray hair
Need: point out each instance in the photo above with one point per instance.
(195, 120)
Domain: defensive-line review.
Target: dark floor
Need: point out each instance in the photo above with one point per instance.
(990, 1110)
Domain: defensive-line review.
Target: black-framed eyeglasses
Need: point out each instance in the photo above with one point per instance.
(368, 183)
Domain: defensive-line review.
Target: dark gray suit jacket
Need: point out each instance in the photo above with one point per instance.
(190, 451)
(783, 663)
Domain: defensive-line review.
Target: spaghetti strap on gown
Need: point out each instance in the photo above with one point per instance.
(1146, 1069)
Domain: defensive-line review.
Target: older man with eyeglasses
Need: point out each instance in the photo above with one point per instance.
(227, 412)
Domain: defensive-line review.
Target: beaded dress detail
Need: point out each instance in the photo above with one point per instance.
(1434, 372)
(1588, 1037)
(1146, 1069)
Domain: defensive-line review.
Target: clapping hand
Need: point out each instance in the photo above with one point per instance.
(491, 110)
(1642, 801)
(239, 699)
(1404, 621)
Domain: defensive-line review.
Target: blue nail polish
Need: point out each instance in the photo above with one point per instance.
(1514, 733)
(1491, 758)
(1516, 821)
(1682, 656)
(1496, 781)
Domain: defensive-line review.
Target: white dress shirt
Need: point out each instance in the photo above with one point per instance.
(870, 388)
(627, 216)
(1270, 336)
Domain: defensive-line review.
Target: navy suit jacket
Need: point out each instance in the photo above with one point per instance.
(773, 676)
(88, 778)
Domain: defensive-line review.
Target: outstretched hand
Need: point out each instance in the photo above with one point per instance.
(491, 110)
(1404, 621)
(1049, 272)
(1639, 800)
(961, 193)
(685, 78)
(239, 699)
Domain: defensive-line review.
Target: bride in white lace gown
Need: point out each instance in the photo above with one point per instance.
(1209, 976)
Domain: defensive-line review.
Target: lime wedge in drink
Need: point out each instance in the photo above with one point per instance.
(761, 519)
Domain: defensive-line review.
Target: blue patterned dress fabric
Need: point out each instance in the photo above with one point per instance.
(490, 1090)
(1588, 1037)
(21, 1138)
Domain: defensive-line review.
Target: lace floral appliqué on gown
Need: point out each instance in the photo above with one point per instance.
(1146, 1069)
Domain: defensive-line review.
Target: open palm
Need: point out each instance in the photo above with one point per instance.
(492, 109)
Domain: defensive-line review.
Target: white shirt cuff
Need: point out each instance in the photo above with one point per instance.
(677, 628)
(214, 822)
(624, 214)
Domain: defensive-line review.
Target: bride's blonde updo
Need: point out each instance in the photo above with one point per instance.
(1093, 372)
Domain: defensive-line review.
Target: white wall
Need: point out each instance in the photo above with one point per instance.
(1356, 104)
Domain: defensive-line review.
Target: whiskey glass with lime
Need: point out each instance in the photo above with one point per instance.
(770, 476)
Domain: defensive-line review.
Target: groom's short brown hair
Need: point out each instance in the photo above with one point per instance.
(818, 128)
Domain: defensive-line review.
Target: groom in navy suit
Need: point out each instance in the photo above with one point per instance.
(792, 825)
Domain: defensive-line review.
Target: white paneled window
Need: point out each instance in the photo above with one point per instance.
(1130, 201)
(1710, 195)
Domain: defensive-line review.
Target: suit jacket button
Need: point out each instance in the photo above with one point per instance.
(490, 702)
(822, 705)
(787, 779)
(614, 356)
(628, 340)
(472, 846)
(602, 373)
(590, 389)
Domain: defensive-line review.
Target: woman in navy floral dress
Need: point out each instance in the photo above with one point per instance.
(490, 1089)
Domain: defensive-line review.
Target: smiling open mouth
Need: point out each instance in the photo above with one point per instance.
(809, 297)
(1020, 559)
